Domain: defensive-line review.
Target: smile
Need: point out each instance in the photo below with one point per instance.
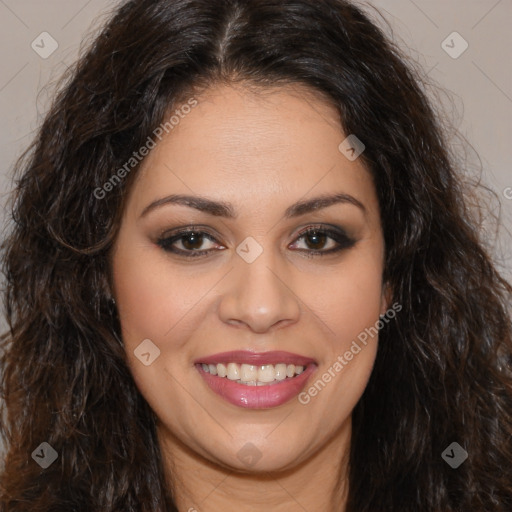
(252, 375)
(256, 381)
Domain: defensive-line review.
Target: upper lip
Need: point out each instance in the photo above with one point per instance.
(256, 358)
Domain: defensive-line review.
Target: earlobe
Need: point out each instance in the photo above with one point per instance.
(387, 294)
(106, 288)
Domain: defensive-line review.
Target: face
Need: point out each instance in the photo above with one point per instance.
(251, 276)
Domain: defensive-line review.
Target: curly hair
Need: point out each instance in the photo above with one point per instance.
(443, 367)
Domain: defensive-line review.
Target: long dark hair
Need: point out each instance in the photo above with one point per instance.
(443, 368)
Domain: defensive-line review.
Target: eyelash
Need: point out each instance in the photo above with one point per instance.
(341, 238)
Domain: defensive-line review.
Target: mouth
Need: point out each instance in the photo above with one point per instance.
(256, 380)
(254, 375)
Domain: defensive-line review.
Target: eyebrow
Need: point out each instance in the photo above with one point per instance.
(226, 209)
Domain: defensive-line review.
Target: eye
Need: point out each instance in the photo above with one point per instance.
(317, 237)
(190, 239)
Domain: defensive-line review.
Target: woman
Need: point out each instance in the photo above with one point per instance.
(243, 276)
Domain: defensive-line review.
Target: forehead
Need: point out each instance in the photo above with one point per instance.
(246, 144)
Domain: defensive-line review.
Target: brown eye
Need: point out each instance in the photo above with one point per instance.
(317, 238)
(191, 241)
(318, 242)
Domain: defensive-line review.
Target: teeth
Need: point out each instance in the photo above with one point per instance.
(281, 371)
(233, 371)
(252, 375)
(266, 373)
(222, 371)
(248, 373)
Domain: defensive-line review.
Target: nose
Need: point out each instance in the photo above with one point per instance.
(259, 296)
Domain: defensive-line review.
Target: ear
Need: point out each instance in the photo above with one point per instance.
(107, 279)
(386, 297)
(105, 286)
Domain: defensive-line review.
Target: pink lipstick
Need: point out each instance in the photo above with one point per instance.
(256, 380)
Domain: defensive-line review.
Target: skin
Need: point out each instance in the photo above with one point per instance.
(261, 152)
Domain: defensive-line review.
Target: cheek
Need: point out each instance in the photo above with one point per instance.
(151, 298)
(350, 300)
(154, 303)
(350, 306)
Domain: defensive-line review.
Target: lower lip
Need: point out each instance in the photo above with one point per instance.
(257, 397)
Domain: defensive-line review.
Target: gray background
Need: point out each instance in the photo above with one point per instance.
(479, 81)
